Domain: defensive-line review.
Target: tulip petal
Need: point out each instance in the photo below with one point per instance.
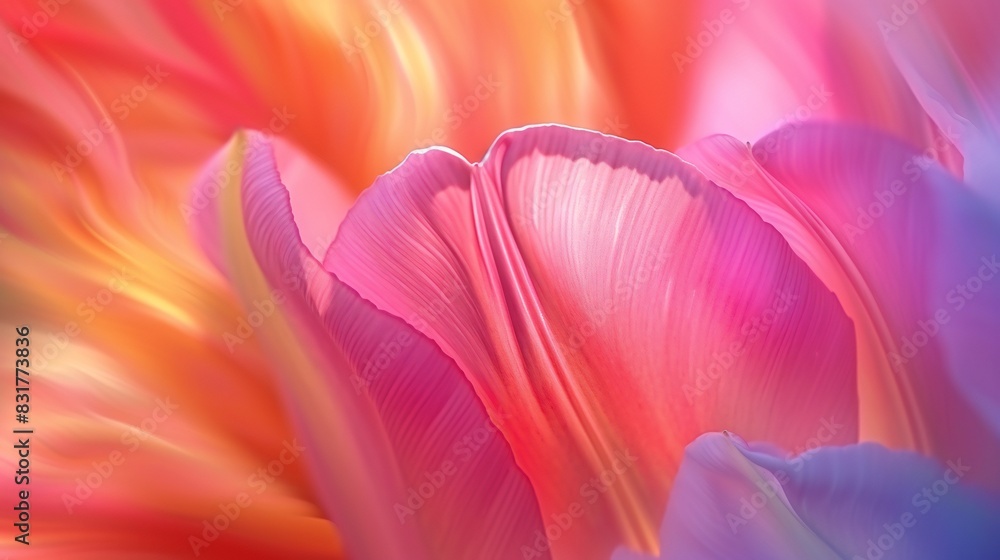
(406, 459)
(615, 304)
(861, 501)
(897, 239)
(811, 59)
(946, 54)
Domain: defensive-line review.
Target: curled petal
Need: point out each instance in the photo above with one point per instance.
(909, 252)
(861, 501)
(946, 54)
(602, 300)
(406, 461)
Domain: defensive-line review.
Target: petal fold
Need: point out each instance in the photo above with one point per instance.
(405, 459)
(909, 252)
(948, 57)
(615, 303)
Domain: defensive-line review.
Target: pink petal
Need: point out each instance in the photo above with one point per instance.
(406, 460)
(809, 59)
(860, 501)
(893, 236)
(947, 54)
(320, 202)
(597, 281)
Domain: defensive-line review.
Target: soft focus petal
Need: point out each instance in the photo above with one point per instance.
(602, 301)
(810, 59)
(947, 54)
(409, 464)
(860, 501)
(130, 357)
(910, 254)
(321, 201)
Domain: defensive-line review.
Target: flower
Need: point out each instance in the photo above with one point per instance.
(560, 320)
(445, 365)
